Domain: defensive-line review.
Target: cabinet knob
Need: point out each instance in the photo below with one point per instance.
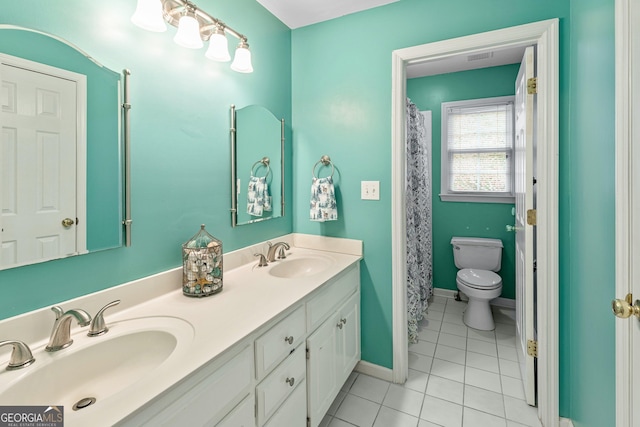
(339, 325)
(289, 339)
(290, 381)
(344, 321)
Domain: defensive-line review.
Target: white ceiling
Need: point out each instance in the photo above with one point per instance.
(299, 13)
(484, 59)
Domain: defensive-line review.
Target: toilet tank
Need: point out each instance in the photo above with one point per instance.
(476, 252)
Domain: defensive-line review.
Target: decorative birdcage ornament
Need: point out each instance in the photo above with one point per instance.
(202, 265)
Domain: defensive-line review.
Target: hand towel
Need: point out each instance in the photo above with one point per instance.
(323, 200)
(258, 198)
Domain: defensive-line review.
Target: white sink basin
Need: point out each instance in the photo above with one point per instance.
(98, 367)
(307, 265)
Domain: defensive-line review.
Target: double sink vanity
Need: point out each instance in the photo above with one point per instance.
(272, 349)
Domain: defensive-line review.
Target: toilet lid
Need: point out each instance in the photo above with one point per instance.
(479, 279)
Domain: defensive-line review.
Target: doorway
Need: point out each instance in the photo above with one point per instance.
(543, 35)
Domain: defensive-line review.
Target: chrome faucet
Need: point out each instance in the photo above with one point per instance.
(97, 326)
(21, 356)
(61, 333)
(271, 253)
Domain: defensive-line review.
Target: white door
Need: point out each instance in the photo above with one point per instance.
(525, 233)
(38, 158)
(627, 212)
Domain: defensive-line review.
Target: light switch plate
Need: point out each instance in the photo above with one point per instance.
(370, 190)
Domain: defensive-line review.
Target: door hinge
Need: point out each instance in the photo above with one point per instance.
(307, 354)
(532, 85)
(532, 348)
(532, 217)
(308, 422)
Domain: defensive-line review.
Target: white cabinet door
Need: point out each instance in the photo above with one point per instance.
(334, 350)
(348, 338)
(321, 369)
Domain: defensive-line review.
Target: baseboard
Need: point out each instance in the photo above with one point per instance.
(376, 371)
(497, 302)
(504, 302)
(566, 422)
(447, 293)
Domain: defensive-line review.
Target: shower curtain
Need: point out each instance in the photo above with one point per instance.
(418, 202)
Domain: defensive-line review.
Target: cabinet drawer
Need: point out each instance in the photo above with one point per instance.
(293, 412)
(274, 390)
(327, 300)
(241, 416)
(279, 341)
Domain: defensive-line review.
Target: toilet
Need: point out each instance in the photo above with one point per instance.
(478, 259)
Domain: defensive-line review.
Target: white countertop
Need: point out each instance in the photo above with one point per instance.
(250, 298)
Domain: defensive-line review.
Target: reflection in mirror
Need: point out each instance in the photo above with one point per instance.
(60, 154)
(257, 165)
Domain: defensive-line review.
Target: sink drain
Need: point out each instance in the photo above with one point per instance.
(83, 403)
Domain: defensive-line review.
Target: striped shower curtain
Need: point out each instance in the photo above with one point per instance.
(418, 201)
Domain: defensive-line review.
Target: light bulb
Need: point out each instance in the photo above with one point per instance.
(242, 59)
(188, 34)
(218, 47)
(148, 16)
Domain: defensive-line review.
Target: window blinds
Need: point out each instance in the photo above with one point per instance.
(480, 148)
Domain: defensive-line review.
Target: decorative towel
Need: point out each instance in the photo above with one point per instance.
(258, 198)
(323, 200)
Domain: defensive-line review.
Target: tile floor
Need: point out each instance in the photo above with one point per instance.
(458, 377)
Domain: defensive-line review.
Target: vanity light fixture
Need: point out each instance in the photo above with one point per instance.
(148, 15)
(194, 27)
(188, 34)
(242, 59)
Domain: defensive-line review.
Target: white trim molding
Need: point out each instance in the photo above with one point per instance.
(375, 371)
(627, 12)
(545, 36)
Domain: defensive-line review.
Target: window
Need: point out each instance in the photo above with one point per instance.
(477, 150)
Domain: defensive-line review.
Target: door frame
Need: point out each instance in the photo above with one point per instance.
(545, 35)
(627, 108)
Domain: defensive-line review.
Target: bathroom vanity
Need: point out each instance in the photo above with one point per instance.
(273, 349)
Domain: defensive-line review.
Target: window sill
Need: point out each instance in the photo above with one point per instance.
(477, 199)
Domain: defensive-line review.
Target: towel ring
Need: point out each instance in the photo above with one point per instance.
(326, 161)
(264, 162)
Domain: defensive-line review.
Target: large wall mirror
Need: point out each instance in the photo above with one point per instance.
(61, 184)
(257, 165)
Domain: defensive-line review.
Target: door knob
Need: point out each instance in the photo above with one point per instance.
(67, 222)
(624, 308)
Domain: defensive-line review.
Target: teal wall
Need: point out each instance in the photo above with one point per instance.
(179, 134)
(342, 107)
(345, 111)
(463, 218)
(588, 223)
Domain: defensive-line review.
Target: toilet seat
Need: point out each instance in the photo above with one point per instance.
(479, 279)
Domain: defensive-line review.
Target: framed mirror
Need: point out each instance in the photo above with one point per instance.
(257, 165)
(61, 185)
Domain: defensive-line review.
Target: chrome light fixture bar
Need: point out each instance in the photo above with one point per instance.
(194, 27)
